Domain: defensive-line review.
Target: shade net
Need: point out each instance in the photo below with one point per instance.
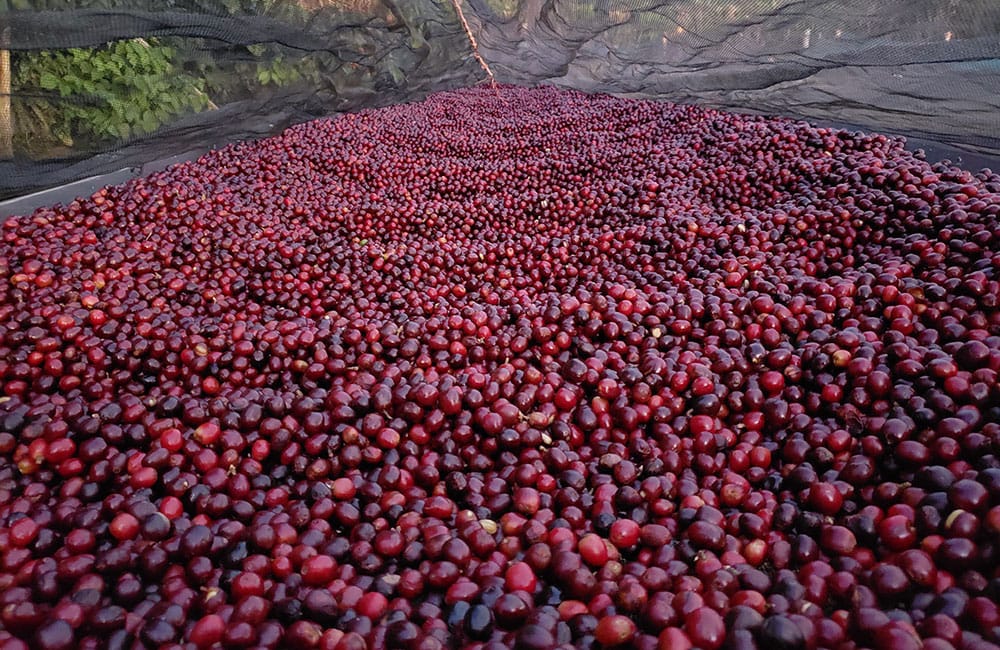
(91, 86)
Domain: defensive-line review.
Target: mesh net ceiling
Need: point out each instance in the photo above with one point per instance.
(91, 86)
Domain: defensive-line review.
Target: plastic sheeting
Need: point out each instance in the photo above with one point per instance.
(919, 67)
(928, 69)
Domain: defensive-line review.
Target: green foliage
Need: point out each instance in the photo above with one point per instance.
(125, 89)
(506, 9)
(260, 66)
(84, 99)
(277, 72)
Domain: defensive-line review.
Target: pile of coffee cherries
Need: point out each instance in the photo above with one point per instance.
(508, 368)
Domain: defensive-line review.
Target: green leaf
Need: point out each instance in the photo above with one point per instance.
(49, 81)
(149, 122)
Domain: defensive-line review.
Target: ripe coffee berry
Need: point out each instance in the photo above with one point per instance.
(508, 368)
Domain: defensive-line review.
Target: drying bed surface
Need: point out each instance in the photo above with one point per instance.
(508, 368)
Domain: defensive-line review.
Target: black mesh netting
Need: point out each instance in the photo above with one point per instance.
(98, 85)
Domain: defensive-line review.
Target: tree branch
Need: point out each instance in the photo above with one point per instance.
(472, 41)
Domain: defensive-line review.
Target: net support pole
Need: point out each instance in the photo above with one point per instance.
(472, 41)
(6, 116)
